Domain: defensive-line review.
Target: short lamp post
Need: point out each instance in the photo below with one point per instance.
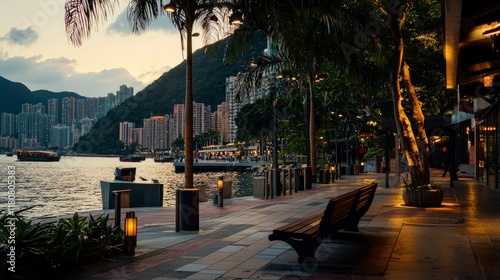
(130, 233)
(220, 190)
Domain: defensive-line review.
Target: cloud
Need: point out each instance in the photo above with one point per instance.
(59, 74)
(122, 26)
(24, 37)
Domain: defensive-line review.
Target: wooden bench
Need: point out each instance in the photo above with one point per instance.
(343, 212)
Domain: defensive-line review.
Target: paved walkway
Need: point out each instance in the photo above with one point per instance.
(460, 240)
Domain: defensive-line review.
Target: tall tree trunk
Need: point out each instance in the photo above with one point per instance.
(409, 145)
(312, 126)
(422, 172)
(188, 125)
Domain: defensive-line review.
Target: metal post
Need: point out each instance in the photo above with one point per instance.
(387, 157)
(275, 150)
(118, 209)
(177, 210)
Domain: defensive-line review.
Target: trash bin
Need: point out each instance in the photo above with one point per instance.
(326, 176)
(189, 209)
(259, 187)
(306, 171)
(299, 179)
(203, 192)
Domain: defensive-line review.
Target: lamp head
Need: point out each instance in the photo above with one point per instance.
(169, 8)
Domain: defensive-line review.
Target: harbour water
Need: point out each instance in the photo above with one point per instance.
(73, 183)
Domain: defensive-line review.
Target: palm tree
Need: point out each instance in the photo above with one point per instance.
(306, 34)
(83, 15)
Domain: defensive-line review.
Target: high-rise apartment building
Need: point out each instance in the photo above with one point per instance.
(68, 111)
(126, 132)
(60, 136)
(233, 106)
(124, 93)
(137, 136)
(80, 111)
(155, 133)
(178, 121)
(7, 124)
(53, 111)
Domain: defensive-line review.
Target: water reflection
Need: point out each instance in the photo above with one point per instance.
(73, 183)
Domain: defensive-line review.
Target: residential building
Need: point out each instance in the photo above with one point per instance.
(155, 133)
(126, 132)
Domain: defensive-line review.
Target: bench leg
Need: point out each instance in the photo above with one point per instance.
(304, 248)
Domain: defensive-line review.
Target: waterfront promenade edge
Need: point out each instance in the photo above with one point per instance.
(460, 240)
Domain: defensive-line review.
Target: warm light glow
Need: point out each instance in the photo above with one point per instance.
(220, 183)
(236, 18)
(131, 224)
(169, 8)
(492, 31)
(487, 81)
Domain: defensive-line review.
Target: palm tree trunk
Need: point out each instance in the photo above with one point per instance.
(188, 133)
(312, 127)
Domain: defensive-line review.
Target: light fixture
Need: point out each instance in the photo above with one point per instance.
(220, 190)
(492, 31)
(236, 18)
(130, 233)
(319, 78)
(169, 8)
(488, 81)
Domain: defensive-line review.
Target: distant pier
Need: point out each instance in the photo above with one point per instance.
(208, 166)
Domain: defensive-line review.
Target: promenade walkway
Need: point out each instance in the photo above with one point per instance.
(460, 240)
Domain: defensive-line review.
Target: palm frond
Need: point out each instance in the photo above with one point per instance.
(83, 15)
(142, 12)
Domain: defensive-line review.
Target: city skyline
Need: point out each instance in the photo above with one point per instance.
(35, 51)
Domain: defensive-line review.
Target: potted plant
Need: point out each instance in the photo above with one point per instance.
(427, 195)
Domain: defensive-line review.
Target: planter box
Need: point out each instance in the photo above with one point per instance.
(423, 198)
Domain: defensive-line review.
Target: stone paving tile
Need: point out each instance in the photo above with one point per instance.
(391, 243)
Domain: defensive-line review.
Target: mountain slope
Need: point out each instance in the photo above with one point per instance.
(14, 94)
(209, 75)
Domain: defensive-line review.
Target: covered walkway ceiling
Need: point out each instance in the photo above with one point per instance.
(470, 54)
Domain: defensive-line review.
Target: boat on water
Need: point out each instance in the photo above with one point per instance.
(133, 158)
(26, 155)
(164, 158)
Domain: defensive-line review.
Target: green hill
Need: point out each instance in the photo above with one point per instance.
(209, 82)
(14, 94)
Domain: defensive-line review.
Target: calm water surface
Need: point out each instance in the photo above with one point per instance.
(73, 183)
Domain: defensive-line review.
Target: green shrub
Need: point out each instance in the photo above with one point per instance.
(46, 248)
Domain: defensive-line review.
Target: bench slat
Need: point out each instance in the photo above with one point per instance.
(342, 212)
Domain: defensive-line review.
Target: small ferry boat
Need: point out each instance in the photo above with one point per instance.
(133, 158)
(26, 155)
(164, 158)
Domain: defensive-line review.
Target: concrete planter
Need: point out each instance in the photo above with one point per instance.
(423, 198)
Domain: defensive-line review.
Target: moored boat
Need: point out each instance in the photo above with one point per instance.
(164, 158)
(26, 155)
(133, 158)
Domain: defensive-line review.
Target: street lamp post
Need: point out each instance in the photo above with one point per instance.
(275, 149)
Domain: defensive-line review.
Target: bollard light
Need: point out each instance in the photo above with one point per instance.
(220, 190)
(130, 233)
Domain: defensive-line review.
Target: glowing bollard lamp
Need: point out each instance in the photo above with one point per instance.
(130, 233)
(220, 191)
